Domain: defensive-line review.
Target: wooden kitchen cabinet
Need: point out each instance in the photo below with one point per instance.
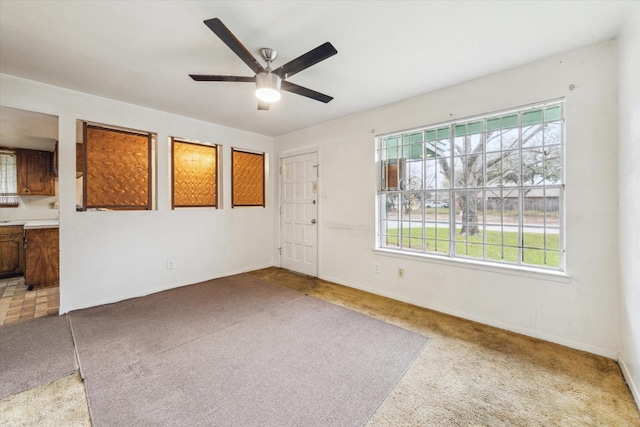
(11, 251)
(42, 249)
(35, 176)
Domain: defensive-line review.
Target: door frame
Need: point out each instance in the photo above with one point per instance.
(293, 153)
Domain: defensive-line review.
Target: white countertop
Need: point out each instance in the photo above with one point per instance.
(36, 223)
(16, 222)
(42, 223)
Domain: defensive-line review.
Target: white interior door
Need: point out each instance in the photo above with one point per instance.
(299, 213)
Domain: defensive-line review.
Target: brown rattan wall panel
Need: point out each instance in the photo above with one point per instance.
(194, 174)
(117, 169)
(247, 173)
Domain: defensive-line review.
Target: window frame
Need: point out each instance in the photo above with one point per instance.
(150, 170)
(9, 198)
(452, 223)
(216, 150)
(234, 203)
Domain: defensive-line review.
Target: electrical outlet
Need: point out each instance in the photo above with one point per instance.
(400, 273)
(170, 264)
(376, 267)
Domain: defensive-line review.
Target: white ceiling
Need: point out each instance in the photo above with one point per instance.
(141, 52)
(27, 129)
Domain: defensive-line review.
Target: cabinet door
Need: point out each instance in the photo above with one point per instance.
(11, 251)
(34, 173)
(42, 260)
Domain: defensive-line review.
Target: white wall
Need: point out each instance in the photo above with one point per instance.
(110, 256)
(31, 207)
(629, 199)
(580, 311)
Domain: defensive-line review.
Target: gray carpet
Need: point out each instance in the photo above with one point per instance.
(116, 335)
(237, 352)
(34, 353)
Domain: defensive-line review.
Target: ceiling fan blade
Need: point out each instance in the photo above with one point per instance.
(299, 90)
(263, 105)
(310, 58)
(207, 78)
(234, 44)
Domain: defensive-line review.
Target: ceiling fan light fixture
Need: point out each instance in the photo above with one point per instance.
(268, 87)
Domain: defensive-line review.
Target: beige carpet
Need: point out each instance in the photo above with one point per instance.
(476, 375)
(60, 403)
(468, 375)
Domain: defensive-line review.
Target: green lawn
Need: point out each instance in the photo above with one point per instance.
(501, 247)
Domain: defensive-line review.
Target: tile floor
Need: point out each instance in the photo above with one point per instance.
(17, 304)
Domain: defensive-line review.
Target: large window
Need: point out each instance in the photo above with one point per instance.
(488, 188)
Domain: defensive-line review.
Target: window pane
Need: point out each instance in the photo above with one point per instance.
(552, 219)
(493, 124)
(468, 171)
(8, 174)
(552, 133)
(467, 204)
(511, 121)
(553, 165)
(431, 168)
(552, 113)
(494, 140)
(392, 146)
(389, 220)
(8, 180)
(532, 136)
(532, 117)
(532, 166)
(503, 168)
(247, 174)
(393, 174)
(510, 139)
(444, 133)
(412, 145)
(414, 175)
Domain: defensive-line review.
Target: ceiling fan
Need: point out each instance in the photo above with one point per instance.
(268, 82)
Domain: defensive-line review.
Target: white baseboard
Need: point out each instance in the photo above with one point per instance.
(611, 354)
(627, 376)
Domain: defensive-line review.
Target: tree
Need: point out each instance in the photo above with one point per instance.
(503, 166)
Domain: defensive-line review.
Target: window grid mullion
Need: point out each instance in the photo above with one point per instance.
(484, 189)
(544, 190)
(452, 198)
(521, 195)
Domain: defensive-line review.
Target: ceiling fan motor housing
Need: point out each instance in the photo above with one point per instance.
(269, 84)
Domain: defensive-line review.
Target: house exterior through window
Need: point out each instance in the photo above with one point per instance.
(489, 188)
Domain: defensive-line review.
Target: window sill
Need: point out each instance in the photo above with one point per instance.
(534, 273)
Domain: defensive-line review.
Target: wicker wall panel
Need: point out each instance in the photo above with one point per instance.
(247, 178)
(194, 174)
(117, 169)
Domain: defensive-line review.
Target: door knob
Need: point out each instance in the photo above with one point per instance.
(313, 221)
